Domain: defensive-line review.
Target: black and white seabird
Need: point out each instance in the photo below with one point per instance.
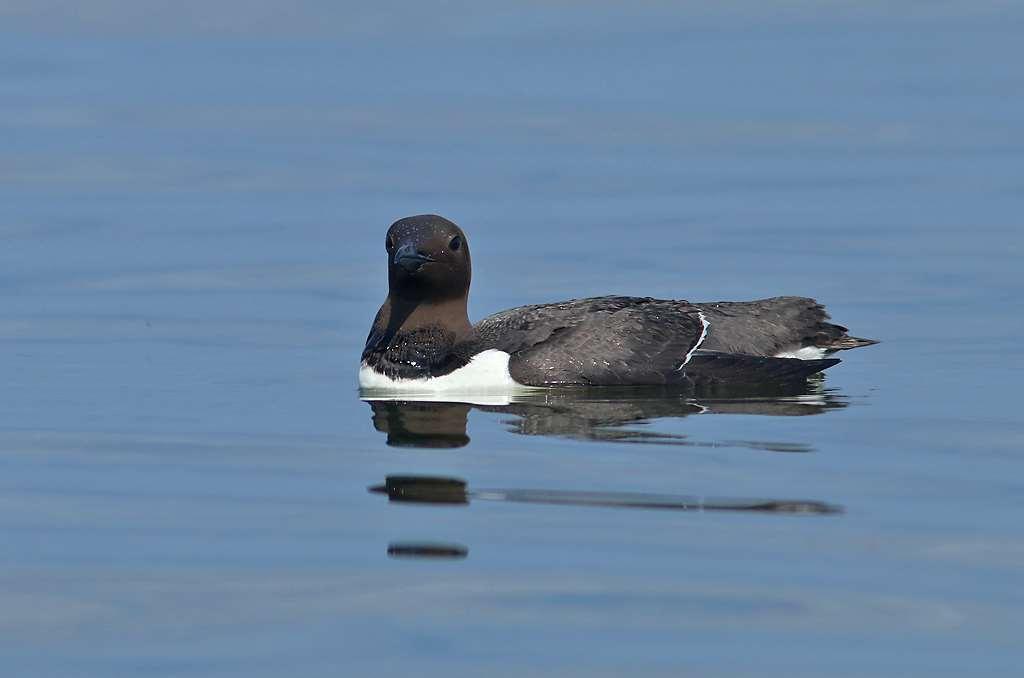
(422, 339)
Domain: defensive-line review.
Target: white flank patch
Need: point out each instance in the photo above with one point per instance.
(484, 381)
(804, 353)
(703, 336)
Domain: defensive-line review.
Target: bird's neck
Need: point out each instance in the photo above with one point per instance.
(414, 340)
(402, 315)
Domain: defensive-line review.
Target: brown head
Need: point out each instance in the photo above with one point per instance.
(428, 281)
(428, 260)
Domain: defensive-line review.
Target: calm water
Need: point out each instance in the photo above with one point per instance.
(192, 211)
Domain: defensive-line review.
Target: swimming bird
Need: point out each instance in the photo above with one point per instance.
(422, 338)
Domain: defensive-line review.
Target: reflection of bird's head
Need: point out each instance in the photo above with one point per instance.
(421, 424)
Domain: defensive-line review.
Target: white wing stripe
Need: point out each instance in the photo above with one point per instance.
(703, 336)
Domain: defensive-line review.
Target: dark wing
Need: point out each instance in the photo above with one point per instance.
(600, 341)
(710, 369)
(768, 326)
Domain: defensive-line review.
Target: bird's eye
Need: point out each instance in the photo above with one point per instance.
(389, 243)
(455, 243)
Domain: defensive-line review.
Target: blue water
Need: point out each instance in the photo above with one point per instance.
(192, 213)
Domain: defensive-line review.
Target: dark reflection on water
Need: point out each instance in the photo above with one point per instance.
(445, 490)
(421, 424)
(427, 550)
(603, 415)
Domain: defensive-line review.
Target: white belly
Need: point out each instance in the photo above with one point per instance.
(485, 377)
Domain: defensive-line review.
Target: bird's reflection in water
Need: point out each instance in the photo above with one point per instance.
(427, 550)
(602, 415)
(410, 423)
(455, 491)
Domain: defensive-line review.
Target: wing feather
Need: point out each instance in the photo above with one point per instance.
(596, 341)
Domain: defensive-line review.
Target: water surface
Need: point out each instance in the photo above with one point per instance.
(192, 214)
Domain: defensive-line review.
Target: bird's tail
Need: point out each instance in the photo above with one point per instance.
(845, 342)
